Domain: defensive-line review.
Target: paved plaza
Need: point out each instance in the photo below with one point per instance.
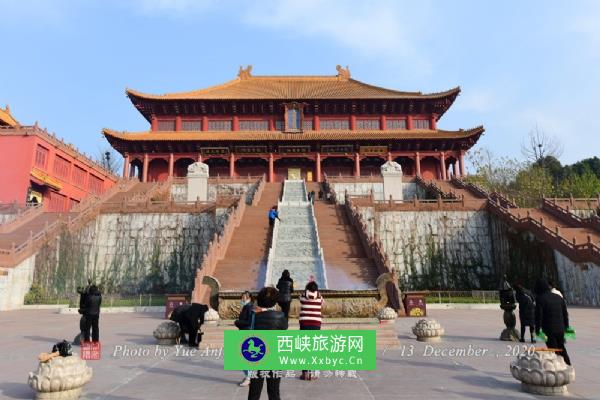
(411, 372)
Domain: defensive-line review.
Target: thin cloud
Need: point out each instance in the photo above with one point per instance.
(385, 30)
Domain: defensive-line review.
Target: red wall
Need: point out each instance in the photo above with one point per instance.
(17, 159)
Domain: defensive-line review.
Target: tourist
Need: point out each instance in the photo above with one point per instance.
(273, 215)
(285, 285)
(312, 197)
(311, 303)
(91, 313)
(320, 194)
(551, 315)
(554, 288)
(526, 310)
(266, 317)
(190, 318)
(243, 323)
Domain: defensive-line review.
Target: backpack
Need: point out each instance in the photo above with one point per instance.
(63, 348)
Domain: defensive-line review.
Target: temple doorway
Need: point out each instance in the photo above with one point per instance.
(294, 173)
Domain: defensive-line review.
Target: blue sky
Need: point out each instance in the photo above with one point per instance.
(66, 63)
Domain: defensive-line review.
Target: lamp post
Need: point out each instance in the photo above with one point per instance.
(508, 304)
(107, 157)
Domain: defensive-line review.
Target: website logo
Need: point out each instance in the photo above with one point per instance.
(253, 349)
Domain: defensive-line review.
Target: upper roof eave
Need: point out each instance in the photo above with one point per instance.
(337, 135)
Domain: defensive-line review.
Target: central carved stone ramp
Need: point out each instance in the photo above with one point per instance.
(387, 338)
(295, 239)
(245, 259)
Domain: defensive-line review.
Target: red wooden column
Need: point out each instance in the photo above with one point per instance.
(271, 168)
(145, 171)
(236, 123)
(178, 123)
(409, 124)
(318, 162)
(154, 123)
(356, 164)
(171, 164)
(382, 123)
(126, 166)
(418, 163)
(432, 122)
(352, 122)
(443, 165)
(271, 123)
(204, 123)
(462, 163)
(316, 123)
(231, 165)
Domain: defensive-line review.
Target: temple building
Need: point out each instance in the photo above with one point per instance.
(293, 127)
(36, 167)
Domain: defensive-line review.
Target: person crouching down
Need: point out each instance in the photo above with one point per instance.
(190, 318)
(265, 317)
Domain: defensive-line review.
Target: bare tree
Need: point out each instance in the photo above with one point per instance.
(109, 159)
(539, 145)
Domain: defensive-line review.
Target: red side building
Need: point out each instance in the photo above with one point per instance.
(37, 167)
(293, 127)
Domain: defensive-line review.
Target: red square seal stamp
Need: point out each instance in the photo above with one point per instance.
(90, 350)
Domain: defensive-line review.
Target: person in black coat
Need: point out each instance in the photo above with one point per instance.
(244, 322)
(267, 318)
(526, 310)
(90, 309)
(190, 317)
(551, 315)
(285, 285)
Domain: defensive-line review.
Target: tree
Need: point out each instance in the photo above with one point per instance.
(531, 184)
(538, 145)
(584, 185)
(109, 159)
(491, 172)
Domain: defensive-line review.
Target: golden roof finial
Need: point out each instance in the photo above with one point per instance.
(343, 73)
(245, 73)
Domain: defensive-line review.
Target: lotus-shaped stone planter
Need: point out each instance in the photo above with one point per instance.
(387, 315)
(61, 378)
(542, 372)
(167, 333)
(428, 330)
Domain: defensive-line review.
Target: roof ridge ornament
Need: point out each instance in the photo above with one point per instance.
(343, 73)
(245, 73)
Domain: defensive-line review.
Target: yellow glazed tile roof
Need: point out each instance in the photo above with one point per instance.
(249, 87)
(6, 117)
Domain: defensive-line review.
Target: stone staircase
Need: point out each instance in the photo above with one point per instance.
(296, 244)
(578, 242)
(348, 266)
(243, 267)
(386, 335)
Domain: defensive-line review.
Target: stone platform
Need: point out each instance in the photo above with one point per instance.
(414, 371)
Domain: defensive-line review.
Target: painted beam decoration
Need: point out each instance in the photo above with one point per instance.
(337, 149)
(214, 151)
(373, 150)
